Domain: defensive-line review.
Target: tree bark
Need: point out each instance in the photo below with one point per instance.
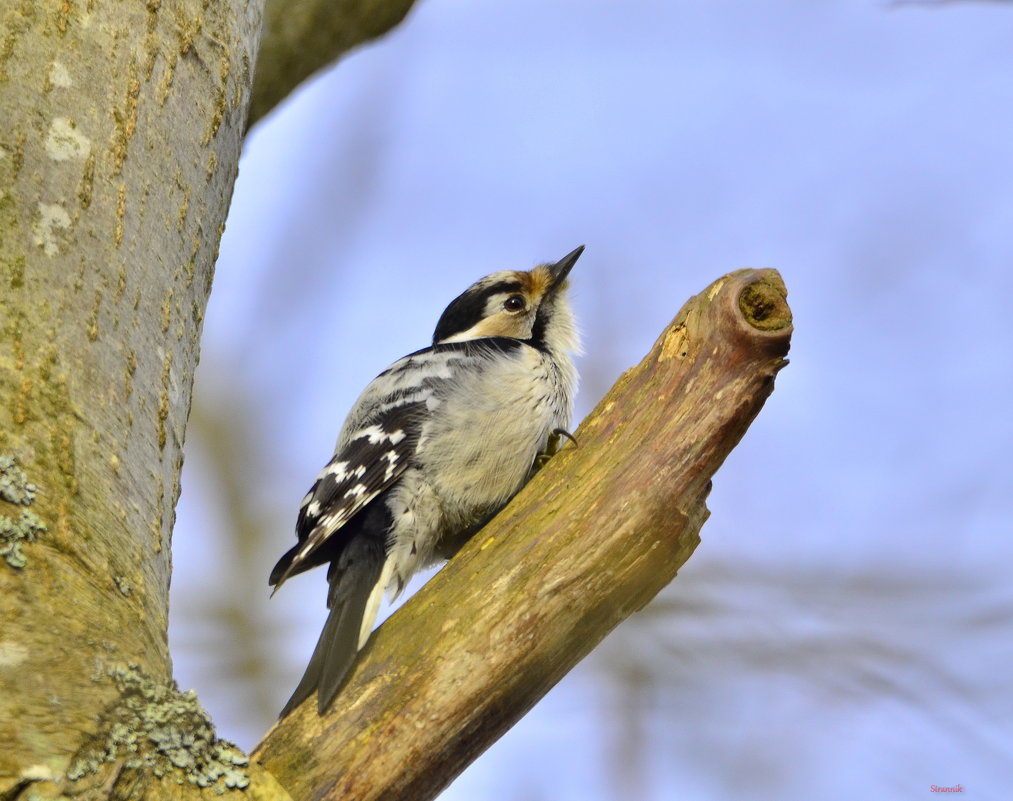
(589, 541)
(119, 142)
(304, 36)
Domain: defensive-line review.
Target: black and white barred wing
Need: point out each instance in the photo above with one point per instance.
(378, 443)
(369, 459)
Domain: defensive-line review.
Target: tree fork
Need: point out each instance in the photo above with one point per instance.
(597, 534)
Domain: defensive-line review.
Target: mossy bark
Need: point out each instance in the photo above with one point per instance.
(120, 137)
(119, 142)
(595, 535)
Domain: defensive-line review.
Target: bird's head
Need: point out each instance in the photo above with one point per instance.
(529, 305)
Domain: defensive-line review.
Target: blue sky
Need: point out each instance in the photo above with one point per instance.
(844, 627)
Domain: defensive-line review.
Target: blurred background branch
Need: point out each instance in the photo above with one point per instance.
(304, 36)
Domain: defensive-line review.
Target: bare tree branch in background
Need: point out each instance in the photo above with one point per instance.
(235, 635)
(592, 539)
(850, 641)
(304, 36)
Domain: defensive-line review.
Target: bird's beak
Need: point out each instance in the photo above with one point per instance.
(562, 268)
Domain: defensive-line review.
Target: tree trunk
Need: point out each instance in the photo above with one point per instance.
(589, 541)
(121, 130)
(121, 126)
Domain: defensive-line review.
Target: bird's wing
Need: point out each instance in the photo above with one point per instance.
(369, 460)
(378, 442)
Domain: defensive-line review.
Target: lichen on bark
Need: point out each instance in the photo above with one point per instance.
(161, 734)
(22, 526)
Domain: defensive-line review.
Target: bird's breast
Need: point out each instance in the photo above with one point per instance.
(482, 438)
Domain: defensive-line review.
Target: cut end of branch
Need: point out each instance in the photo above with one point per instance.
(764, 302)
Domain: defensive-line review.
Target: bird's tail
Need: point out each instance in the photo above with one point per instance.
(352, 582)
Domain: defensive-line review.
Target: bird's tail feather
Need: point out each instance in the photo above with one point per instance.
(339, 641)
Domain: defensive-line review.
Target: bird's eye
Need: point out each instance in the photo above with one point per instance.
(514, 303)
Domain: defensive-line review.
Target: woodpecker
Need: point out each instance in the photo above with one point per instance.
(431, 450)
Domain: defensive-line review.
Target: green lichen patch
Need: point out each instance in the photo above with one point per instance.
(14, 484)
(23, 528)
(13, 533)
(158, 731)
